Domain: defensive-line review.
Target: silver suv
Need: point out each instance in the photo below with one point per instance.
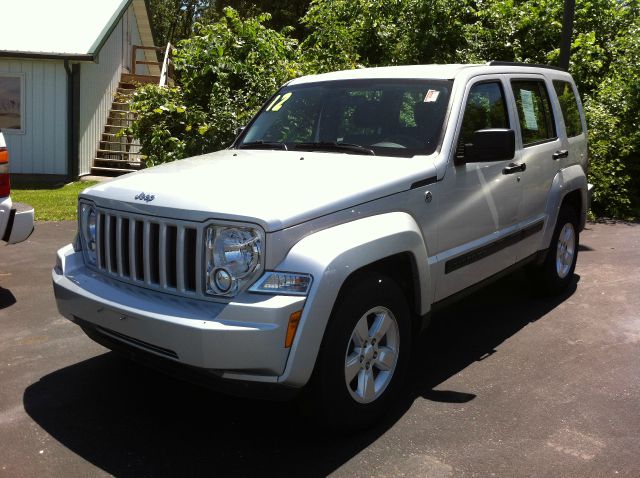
(309, 253)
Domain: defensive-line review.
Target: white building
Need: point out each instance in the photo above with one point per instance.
(60, 64)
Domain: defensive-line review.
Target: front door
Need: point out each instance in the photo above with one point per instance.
(479, 203)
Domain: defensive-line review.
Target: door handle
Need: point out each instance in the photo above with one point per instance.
(514, 168)
(563, 153)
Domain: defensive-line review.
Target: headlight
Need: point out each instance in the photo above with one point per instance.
(233, 256)
(87, 229)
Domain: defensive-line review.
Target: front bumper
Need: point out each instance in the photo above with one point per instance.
(242, 340)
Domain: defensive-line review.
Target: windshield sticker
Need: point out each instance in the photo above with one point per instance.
(277, 103)
(431, 96)
(275, 100)
(530, 120)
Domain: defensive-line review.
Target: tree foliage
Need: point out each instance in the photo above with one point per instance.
(226, 71)
(229, 67)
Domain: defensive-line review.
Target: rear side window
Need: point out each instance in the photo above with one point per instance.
(569, 107)
(534, 111)
(485, 108)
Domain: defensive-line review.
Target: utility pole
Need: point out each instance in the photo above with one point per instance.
(567, 31)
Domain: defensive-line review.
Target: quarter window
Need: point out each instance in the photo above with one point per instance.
(569, 106)
(534, 111)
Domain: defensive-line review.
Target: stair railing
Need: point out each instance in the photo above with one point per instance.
(166, 66)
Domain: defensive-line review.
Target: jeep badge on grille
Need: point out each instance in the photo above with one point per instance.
(144, 197)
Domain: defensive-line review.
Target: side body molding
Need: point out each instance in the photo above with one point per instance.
(565, 181)
(331, 256)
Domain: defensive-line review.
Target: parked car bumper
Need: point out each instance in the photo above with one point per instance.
(241, 340)
(16, 220)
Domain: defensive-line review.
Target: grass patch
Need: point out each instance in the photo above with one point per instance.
(52, 202)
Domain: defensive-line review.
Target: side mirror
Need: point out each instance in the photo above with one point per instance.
(495, 144)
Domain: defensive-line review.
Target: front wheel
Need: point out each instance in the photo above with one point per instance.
(364, 353)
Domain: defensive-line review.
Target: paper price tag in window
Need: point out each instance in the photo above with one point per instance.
(431, 96)
(528, 108)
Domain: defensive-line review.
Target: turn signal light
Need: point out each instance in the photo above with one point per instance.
(294, 320)
(5, 184)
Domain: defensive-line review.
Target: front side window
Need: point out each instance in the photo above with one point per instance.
(569, 106)
(485, 109)
(382, 117)
(534, 111)
(11, 114)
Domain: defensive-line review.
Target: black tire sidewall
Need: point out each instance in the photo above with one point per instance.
(340, 410)
(551, 281)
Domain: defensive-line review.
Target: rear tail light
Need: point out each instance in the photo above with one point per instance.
(5, 185)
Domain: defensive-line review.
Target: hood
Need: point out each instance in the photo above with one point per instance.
(275, 189)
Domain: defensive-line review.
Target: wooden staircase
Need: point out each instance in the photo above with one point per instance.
(118, 154)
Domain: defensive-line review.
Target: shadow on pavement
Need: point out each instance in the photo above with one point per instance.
(132, 421)
(7, 298)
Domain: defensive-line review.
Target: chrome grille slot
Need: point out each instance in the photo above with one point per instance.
(155, 252)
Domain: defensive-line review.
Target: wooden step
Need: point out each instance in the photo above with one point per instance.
(120, 118)
(119, 161)
(98, 170)
(120, 143)
(139, 79)
(114, 135)
(119, 127)
(108, 151)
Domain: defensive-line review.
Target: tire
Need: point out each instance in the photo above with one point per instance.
(555, 274)
(360, 368)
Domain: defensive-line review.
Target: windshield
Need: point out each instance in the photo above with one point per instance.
(382, 117)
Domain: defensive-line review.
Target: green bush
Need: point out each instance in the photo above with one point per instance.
(225, 72)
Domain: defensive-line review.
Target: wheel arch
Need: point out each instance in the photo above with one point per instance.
(569, 186)
(390, 244)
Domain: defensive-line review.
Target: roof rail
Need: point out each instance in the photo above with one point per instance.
(515, 63)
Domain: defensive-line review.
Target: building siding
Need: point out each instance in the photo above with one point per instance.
(42, 148)
(98, 84)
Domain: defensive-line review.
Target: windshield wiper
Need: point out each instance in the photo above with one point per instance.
(329, 146)
(263, 145)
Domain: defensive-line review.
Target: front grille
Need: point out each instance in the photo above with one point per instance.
(154, 252)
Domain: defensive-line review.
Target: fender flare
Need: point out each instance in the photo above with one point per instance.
(565, 181)
(331, 256)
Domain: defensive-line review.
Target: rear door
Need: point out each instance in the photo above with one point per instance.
(542, 148)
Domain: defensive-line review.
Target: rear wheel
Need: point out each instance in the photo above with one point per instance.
(364, 354)
(554, 275)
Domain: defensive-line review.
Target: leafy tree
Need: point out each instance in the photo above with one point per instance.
(386, 33)
(174, 20)
(226, 71)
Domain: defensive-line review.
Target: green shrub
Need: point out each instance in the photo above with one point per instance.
(226, 72)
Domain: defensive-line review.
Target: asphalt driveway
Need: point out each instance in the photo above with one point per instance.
(504, 384)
